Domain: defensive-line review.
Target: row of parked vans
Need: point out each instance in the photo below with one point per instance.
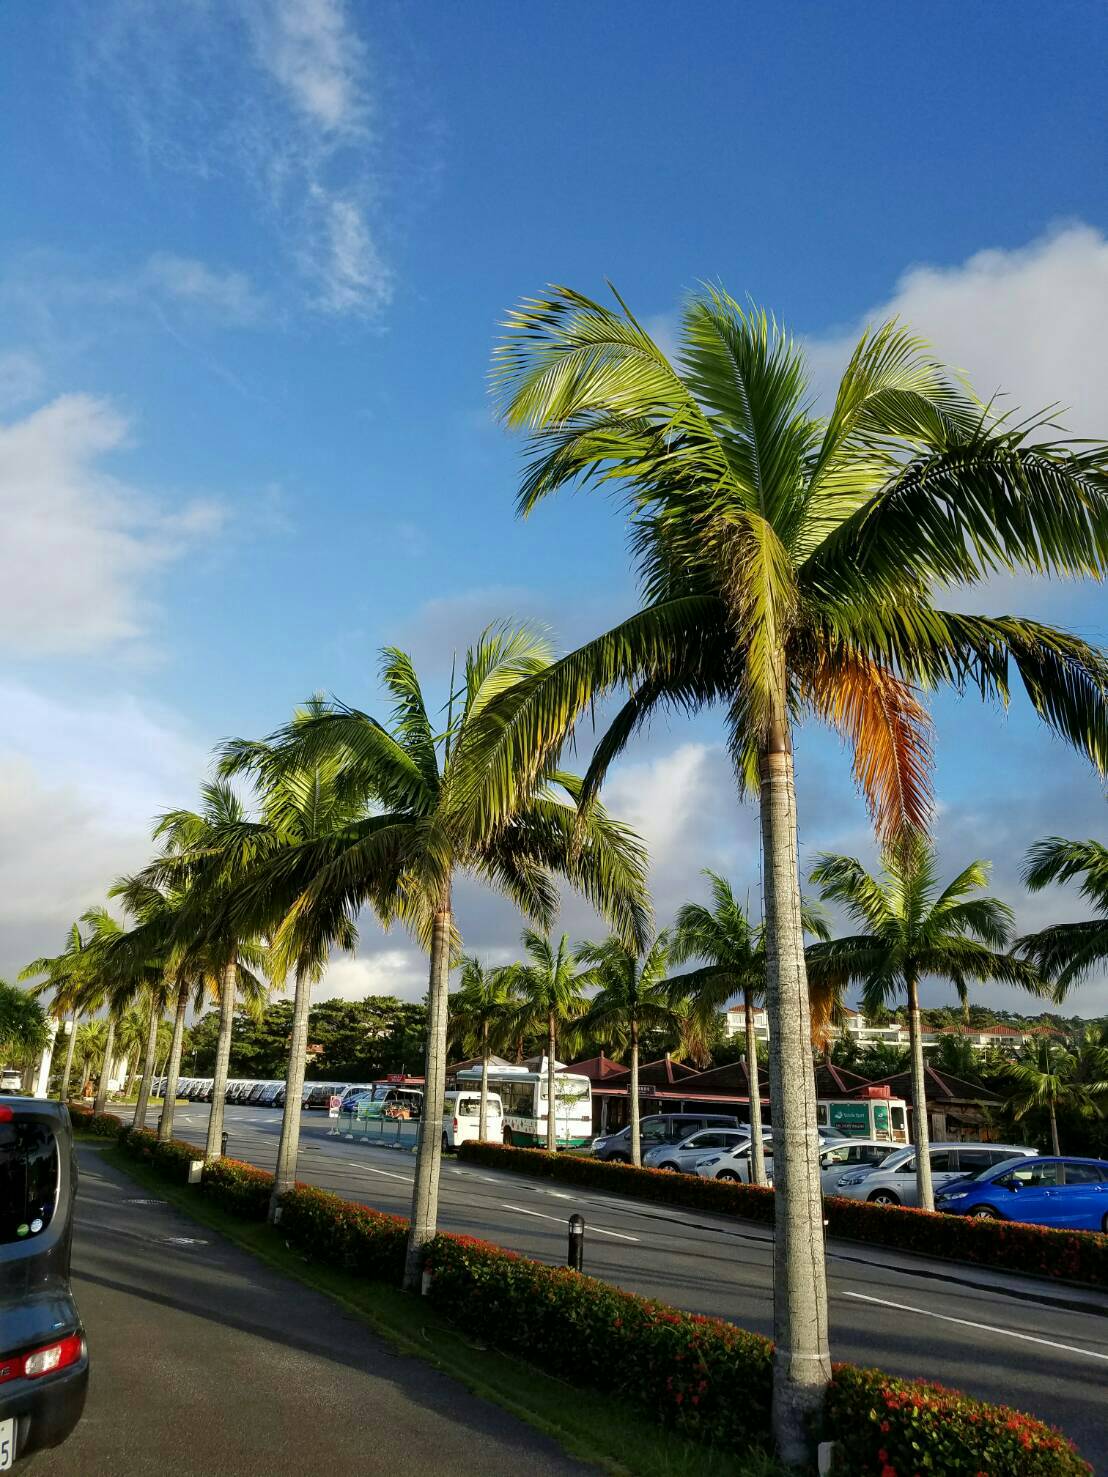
(242, 1091)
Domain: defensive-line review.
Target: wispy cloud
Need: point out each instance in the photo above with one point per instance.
(81, 547)
(269, 97)
(228, 295)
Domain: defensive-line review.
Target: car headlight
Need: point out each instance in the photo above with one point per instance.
(956, 1195)
(713, 1160)
(851, 1179)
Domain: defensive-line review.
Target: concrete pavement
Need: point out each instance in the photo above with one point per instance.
(205, 1361)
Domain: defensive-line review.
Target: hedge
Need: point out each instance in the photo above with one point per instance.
(884, 1427)
(707, 1378)
(1073, 1256)
(172, 1157)
(101, 1125)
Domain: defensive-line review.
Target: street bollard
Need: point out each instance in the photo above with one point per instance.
(576, 1255)
(223, 1146)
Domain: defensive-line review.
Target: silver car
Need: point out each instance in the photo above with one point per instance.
(683, 1156)
(734, 1164)
(853, 1156)
(893, 1182)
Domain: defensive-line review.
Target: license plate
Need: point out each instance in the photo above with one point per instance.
(7, 1445)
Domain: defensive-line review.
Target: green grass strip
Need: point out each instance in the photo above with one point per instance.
(591, 1427)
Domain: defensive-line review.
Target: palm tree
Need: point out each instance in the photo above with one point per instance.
(1048, 1076)
(915, 928)
(633, 993)
(427, 818)
(64, 978)
(24, 1031)
(552, 996)
(1067, 952)
(734, 953)
(789, 563)
(211, 956)
(481, 1013)
(89, 1056)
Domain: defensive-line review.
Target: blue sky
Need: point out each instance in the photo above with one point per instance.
(253, 262)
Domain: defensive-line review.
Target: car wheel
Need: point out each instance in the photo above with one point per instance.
(509, 1138)
(983, 1213)
(729, 1174)
(883, 1197)
(621, 1159)
(673, 1168)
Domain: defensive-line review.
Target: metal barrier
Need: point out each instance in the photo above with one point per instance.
(390, 1133)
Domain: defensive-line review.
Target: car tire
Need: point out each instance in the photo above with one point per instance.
(509, 1138)
(673, 1168)
(883, 1197)
(729, 1174)
(620, 1159)
(983, 1213)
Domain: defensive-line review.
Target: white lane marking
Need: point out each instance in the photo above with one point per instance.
(599, 1230)
(388, 1174)
(1010, 1333)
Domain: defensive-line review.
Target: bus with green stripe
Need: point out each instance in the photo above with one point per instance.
(523, 1097)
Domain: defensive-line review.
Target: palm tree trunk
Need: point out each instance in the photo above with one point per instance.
(1054, 1146)
(173, 1066)
(757, 1141)
(483, 1114)
(802, 1359)
(213, 1145)
(71, 1047)
(636, 1140)
(551, 1054)
(925, 1195)
(289, 1145)
(425, 1192)
(101, 1103)
(139, 1120)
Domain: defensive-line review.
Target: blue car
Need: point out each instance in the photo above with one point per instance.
(1067, 1194)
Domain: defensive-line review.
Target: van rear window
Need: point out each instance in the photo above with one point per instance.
(28, 1179)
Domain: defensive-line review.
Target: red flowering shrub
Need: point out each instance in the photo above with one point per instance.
(100, 1125)
(893, 1428)
(344, 1234)
(238, 1188)
(172, 1157)
(1076, 1256)
(706, 1377)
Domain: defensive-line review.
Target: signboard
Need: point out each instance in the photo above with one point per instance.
(881, 1120)
(853, 1118)
(646, 1090)
(333, 1105)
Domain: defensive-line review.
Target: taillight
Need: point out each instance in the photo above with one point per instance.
(47, 1360)
(455, 1125)
(6, 1113)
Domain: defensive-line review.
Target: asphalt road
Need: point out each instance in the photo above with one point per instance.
(1017, 1341)
(204, 1361)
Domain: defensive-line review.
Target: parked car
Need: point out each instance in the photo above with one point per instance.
(735, 1164)
(279, 1096)
(43, 1356)
(1069, 1194)
(319, 1094)
(893, 1181)
(851, 1156)
(11, 1080)
(461, 1118)
(683, 1156)
(269, 1094)
(657, 1129)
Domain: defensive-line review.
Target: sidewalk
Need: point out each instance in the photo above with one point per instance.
(206, 1361)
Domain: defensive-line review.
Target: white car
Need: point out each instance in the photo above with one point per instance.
(685, 1156)
(851, 1157)
(735, 1163)
(893, 1181)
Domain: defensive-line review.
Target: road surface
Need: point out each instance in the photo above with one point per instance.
(205, 1361)
(1013, 1340)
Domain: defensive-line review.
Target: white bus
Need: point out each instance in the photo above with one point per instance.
(523, 1101)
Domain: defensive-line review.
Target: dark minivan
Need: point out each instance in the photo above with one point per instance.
(43, 1358)
(658, 1128)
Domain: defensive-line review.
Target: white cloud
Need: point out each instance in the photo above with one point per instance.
(1030, 322)
(272, 97)
(388, 971)
(81, 547)
(80, 783)
(228, 295)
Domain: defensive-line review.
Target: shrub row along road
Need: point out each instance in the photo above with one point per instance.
(205, 1361)
(1013, 1340)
